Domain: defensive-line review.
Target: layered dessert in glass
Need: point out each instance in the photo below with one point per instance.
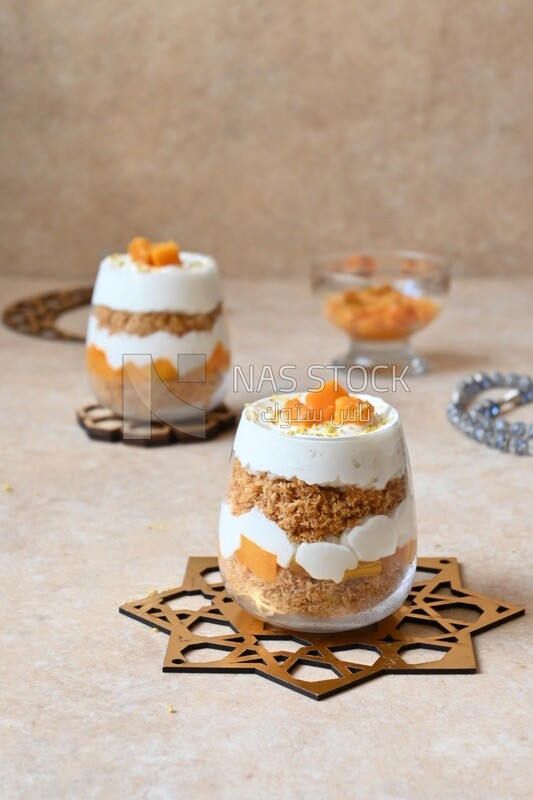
(156, 336)
(317, 531)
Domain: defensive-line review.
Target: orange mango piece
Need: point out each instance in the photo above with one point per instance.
(218, 361)
(380, 312)
(411, 550)
(323, 400)
(294, 411)
(165, 369)
(262, 563)
(352, 409)
(164, 253)
(139, 249)
(364, 570)
(97, 363)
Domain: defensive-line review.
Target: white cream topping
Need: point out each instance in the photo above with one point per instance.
(405, 518)
(325, 561)
(193, 287)
(365, 456)
(376, 538)
(160, 344)
(256, 527)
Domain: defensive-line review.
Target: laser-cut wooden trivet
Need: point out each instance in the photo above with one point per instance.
(38, 315)
(437, 621)
(102, 424)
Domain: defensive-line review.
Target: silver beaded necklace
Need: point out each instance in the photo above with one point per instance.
(483, 422)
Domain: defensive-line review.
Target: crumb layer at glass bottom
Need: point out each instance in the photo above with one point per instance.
(299, 602)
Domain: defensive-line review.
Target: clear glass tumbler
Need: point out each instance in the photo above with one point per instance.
(156, 339)
(317, 531)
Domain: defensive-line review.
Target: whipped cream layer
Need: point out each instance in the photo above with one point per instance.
(256, 527)
(367, 456)
(375, 538)
(192, 287)
(160, 345)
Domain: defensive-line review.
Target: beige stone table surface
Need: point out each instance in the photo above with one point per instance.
(89, 525)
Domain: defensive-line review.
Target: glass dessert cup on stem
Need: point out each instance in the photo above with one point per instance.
(381, 299)
(156, 337)
(317, 531)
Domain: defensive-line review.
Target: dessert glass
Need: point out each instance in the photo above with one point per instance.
(381, 299)
(156, 338)
(317, 532)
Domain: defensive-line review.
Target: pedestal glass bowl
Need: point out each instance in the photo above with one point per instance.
(381, 299)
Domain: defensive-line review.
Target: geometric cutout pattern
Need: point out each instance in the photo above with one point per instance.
(103, 425)
(38, 315)
(431, 633)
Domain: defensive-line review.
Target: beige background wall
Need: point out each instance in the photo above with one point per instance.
(266, 131)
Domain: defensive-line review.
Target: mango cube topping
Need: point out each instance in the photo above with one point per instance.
(154, 254)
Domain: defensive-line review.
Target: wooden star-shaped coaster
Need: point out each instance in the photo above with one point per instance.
(431, 632)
